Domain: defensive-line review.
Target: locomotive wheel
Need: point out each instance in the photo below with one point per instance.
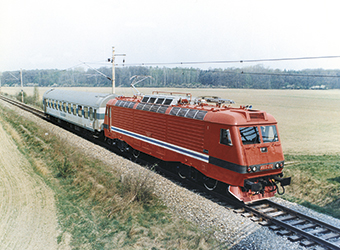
(181, 172)
(209, 183)
(134, 155)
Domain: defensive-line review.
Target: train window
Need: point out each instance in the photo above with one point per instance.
(57, 105)
(74, 109)
(168, 101)
(80, 111)
(86, 112)
(182, 112)
(250, 135)
(225, 137)
(200, 115)
(131, 104)
(174, 111)
(145, 99)
(269, 133)
(69, 108)
(154, 108)
(160, 100)
(91, 113)
(64, 107)
(191, 113)
(140, 106)
(162, 109)
(152, 100)
(147, 107)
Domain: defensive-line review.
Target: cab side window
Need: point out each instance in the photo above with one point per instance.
(225, 137)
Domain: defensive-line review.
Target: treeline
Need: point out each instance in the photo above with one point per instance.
(257, 77)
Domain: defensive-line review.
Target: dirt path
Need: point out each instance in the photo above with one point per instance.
(27, 206)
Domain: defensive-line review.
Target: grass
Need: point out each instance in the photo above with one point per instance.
(97, 207)
(315, 182)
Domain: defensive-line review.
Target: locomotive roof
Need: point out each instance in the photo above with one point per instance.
(79, 97)
(207, 112)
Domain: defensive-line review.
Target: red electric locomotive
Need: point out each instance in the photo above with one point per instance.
(239, 147)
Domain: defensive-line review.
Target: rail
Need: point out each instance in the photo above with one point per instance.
(297, 226)
(24, 106)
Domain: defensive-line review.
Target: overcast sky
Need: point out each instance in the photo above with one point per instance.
(41, 34)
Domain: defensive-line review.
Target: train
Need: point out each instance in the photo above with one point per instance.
(204, 139)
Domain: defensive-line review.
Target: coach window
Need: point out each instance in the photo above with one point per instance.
(86, 112)
(74, 109)
(80, 111)
(69, 108)
(64, 107)
(225, 137)
(91, 113)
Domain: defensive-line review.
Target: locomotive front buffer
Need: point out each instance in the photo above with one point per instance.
(267, 184)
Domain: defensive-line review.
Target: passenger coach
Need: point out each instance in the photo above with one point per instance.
(82, 109)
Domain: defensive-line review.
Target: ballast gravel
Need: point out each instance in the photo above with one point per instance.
(232, 230)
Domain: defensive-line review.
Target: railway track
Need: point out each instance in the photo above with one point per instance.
(24, 106)
(296, 226)
(286, 222)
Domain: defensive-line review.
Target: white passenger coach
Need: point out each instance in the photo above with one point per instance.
(83, 109)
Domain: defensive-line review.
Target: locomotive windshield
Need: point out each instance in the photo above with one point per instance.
(269, 133)
(250, 135)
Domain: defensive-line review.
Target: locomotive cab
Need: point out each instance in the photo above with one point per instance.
(246, 143)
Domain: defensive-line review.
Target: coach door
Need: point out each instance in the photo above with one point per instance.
(108, 110)
(45, 105)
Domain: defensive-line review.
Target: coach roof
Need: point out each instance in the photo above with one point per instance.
(79, 97)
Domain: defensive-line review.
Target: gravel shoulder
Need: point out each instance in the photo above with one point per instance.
(28, 218)
(233, 230)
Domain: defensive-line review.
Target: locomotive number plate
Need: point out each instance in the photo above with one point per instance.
(265, 167)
